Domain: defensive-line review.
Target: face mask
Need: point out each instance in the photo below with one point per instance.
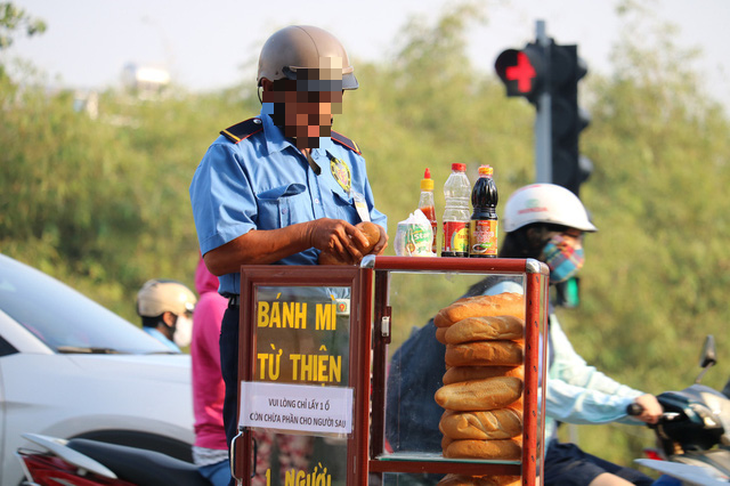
(563, 258)
(183, 331)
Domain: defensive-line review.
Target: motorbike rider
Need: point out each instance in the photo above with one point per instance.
(166, 308)
(545, 222)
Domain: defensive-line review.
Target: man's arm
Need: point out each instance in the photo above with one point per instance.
(268, 246)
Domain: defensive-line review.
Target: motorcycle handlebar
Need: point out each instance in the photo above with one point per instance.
(634, 409)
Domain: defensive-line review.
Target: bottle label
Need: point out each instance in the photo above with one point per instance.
(456, 237)
(483, 237)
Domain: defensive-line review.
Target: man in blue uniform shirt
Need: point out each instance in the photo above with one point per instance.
(282, 187)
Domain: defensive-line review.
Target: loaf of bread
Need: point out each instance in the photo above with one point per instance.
(502, 423)
(371, 232)
(500, 449)
(482, 328)
(485, 353)
(486, 394)
(445, 441)
(456, 374)
(485, 329)
(504, 304)
(462, 480)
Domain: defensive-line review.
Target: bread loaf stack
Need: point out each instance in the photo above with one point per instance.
(482, 392)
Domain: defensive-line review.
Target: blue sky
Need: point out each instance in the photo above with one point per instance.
(207, 45)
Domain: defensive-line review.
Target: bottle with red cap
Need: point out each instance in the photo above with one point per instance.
(427, 206)
(484, 222)
(456, 213)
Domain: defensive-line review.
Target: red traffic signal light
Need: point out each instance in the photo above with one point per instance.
(522, 71)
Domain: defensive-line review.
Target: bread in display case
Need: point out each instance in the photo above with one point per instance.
(458, 363)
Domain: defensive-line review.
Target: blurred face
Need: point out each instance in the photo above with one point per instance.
(574, 236)
(304, 108)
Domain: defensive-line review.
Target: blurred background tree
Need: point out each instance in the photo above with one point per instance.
(13, 21)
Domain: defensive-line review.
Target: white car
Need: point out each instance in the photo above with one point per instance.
(71, 368)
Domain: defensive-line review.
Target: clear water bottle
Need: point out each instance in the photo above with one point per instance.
(457, 192)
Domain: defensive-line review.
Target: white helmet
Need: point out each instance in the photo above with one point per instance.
(545, 203)
(159, 296)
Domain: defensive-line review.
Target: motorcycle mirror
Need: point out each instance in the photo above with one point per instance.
(708, 357)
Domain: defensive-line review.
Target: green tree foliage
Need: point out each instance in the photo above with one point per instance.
(103, 203)
(657, 274)
(13, 19)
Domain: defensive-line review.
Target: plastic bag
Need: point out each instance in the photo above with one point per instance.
(414, 236)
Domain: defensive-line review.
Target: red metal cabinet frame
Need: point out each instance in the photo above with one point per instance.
(369, 305)
(536, 283)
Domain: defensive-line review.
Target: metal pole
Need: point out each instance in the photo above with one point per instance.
(543, 144)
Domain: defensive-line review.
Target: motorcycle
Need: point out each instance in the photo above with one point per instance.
(693, 433)
(83, 462)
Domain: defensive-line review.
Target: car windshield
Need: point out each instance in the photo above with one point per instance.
(64, 319)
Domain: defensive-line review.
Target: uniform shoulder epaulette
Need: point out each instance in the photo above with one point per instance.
(243, 130)
(343, 140)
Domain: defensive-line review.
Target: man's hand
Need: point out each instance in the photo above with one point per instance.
(334, 236)
(372, 233)
(651, 409)
(382, 243)
(338, 238)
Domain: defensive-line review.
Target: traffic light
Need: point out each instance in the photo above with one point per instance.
(550, 68)
(569, 168)
(523, 71)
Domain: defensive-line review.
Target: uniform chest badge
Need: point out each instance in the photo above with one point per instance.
(341, 172)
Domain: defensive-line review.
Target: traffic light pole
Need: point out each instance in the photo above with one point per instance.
(543, 143)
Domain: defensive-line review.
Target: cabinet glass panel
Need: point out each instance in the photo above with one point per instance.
(298, 407)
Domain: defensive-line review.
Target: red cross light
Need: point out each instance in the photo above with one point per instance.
(523, 73)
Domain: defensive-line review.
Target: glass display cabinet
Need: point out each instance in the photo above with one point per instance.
(339, 366)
